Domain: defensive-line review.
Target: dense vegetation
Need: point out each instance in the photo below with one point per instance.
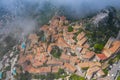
(76, 77)
(105, 71)
(98, 47)
(41, 36)
(7, 45)
(45, 14)
(115, 59)
(70, 29)
(118, 78)
(24, 76)
(100, 33)
(56, 52)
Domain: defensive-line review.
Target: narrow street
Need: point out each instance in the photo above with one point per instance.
(113, 72)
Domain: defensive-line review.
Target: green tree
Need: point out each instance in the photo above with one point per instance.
(105, 71)
(56, 52)
(61, 71)
(70, 29)
(76, 77)
(25, 76)
(98, 47)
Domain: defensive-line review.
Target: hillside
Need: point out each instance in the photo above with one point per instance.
(100, 27)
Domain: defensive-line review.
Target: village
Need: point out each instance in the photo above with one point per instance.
(57, 48)
(39, 54)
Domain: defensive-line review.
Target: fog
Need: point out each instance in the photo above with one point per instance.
(21, 11)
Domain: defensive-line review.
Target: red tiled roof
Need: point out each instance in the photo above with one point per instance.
(62, 42)
(88, 55)
(54, 62)
(115, 46)
(74, 59)
(80, 36)
(70, 67)
(82, 41)
(101, 56)
(65, 57)
(89, 64)
(41, 70)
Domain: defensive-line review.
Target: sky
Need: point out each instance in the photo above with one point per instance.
(78, 6)
(22, 8)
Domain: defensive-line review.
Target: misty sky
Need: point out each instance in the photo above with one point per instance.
(76, 7)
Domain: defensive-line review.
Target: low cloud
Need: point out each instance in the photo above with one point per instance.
(22, 10)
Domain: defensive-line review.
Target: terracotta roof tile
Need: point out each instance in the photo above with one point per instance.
(101, 56)
(82, 41)
(88, 64)
(91, 71)
(54, 62)
(62, 43)
(65, 57)
(70, 67)
(84, 50)
(55, 69)
(74, 59)
(107, 52)
(88, 55)
(115, 46)
(40, 70)
(80, 36)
